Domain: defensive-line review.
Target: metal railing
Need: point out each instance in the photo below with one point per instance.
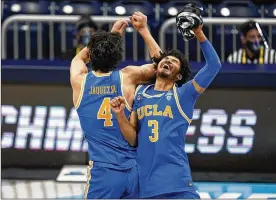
(167, 26)
(170, 25)
(50, 19)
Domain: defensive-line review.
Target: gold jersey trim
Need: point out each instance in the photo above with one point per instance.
(179, 107)
(81, 92)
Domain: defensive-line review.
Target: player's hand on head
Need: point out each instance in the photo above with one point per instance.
(118, 105)
(120, 26)
(138, 20)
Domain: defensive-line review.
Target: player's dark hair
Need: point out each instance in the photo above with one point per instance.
(105, 49)
(185, 70)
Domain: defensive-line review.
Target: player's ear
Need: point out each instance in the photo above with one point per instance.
(179, 77)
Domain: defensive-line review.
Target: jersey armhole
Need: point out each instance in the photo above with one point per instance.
(81, 92)
(137, 90)
(179, 106)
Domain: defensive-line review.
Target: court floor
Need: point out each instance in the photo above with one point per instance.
(30, 189)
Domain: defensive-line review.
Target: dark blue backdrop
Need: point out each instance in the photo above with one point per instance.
(57, 72)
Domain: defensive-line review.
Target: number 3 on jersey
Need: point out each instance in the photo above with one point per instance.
(154, 125)
(105, 112)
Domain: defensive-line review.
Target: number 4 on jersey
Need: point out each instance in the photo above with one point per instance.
(105, 112)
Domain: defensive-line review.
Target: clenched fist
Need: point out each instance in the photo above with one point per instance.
(118, 105)
(119, 26)
(138, 20)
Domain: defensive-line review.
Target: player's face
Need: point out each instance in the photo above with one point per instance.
(169, 67)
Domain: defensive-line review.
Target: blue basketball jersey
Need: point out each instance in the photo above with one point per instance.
(163, 119)
(106, 144)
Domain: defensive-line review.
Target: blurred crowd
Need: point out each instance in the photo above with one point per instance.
(254, 49)
(252, 46)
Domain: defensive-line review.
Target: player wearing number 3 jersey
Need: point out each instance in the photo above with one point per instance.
(161, 115)
(112, 171)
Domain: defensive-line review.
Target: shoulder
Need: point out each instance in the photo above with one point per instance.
(188, 89)
(137, 70)
(129, 69)
(185, 85)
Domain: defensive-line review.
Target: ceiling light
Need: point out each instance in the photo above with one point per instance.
(120, 10)
(68, 9)
(15, 7)
(225, 12)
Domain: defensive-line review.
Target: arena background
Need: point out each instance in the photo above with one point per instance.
(43, 154)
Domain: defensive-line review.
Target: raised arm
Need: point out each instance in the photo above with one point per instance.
(127, 127)
(139, 22)
(78, 69)
(206, 75)
(144, 73)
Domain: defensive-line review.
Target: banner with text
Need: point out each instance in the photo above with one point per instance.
(232, 130)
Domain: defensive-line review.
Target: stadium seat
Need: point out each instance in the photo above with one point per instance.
(127, 8)
(4, 10)
(75, 7)
(27, 7)
(270, 10)
(231, 8)
(234, 8)
(30, 8)
(173, 7)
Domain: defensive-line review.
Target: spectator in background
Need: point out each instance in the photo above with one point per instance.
(253, 50)
(85, 28)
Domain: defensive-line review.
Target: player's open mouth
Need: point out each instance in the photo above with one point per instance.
(167, 67)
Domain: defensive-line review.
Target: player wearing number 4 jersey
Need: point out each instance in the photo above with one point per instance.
(112, 171)
(161, 115)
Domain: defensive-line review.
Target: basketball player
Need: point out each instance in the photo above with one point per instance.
(112, 171)
(160, 118)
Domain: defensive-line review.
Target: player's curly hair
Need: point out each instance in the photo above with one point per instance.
(185, 70)
(105, 49)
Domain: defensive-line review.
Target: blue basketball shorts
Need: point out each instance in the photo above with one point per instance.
(110, 183)
(193, 194)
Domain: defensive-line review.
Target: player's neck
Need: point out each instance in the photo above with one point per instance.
(98, 72)
(163, 84)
